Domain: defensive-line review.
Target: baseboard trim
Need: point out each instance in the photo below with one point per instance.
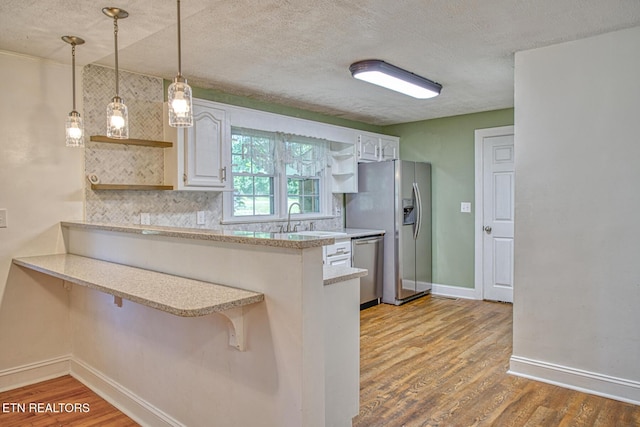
(576, 379)
(453, 291)
(32, 373)
(122, 398)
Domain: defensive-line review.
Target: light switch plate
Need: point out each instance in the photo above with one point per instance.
(3, 218)
(200, 218)
(145, 219)
(465, 207)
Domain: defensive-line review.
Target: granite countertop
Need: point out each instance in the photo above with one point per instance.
(339, 273)
(173, 294)
(281, 240)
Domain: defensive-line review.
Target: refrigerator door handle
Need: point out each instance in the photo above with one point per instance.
(416, 229)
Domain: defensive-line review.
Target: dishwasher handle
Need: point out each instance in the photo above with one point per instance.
(367, 240)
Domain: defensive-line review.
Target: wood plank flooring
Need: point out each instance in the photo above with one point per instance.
(433, 362)
(61, 394)
(437, 362)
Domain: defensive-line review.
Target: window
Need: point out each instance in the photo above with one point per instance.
(304, 191)
(304, 160)
(252, 167)
(271, 171)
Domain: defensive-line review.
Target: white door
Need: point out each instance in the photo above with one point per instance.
(496, 210)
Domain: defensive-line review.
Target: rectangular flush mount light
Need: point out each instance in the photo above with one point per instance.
(386, 75)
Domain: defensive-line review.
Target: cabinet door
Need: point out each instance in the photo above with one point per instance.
(206, 148)
(389, 148)
(368, 146)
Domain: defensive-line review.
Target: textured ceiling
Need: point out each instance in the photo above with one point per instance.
(297, 52)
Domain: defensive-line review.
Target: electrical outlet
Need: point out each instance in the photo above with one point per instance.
(3, 218)
(145, 218)
(200, 218)
(465, 207)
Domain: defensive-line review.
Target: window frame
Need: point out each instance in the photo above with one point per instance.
(255, 134)
(280, 196)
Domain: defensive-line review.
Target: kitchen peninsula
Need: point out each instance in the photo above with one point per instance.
(300, 366)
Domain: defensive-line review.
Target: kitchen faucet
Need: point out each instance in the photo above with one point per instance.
(288, 229)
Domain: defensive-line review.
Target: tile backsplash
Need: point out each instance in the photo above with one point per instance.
(128, 164)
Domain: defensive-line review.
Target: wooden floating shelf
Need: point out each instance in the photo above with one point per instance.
(131, 141)
(139, 187)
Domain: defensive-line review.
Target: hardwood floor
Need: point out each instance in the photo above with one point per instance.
(438, 362)
(433, 362)
(71, 404)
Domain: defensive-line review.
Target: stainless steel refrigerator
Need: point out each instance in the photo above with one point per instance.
(395, 196)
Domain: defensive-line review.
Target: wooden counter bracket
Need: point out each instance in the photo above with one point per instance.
(176, 295)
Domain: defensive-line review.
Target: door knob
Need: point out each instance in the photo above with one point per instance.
(487, 229)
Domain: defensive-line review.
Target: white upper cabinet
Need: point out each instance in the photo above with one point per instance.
(368, 146)
(389, 148)
(377, 148)
(201, 157)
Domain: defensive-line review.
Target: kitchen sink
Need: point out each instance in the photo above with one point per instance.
(314, 233)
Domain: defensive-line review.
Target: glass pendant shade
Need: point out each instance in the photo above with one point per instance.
(117, 119)
(180, 106)
(74, 130)
(117, 113)
(179, 93)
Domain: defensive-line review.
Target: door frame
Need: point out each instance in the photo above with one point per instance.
(480, 135)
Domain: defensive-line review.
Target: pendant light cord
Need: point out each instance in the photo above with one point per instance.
(179, 44)
(73, 73)
(115, 40)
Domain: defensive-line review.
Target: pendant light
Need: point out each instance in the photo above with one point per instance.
(73, 125)
(387, 75)
(179, 93)
(117, 114)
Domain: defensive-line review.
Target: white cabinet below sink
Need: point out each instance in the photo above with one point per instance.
(338, 254)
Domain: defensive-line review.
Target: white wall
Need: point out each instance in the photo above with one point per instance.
(41, 183)
(577, 272)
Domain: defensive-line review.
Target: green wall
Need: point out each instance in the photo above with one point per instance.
(448, 144)
(242, 101)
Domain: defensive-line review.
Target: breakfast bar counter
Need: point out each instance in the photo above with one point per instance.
(297, 323)
(176, 295)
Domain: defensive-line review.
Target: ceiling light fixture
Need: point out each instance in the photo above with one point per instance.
(179, 94)
(386, 75)
(73, 124)
(117, 114)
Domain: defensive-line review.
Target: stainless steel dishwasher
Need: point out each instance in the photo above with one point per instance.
(367, 252)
